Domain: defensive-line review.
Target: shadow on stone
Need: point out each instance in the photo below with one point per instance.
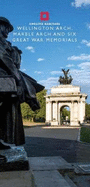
(70, 150)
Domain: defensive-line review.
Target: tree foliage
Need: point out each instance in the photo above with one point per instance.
(87, 111)
(65, 113)
(27, 113)
(42, 112)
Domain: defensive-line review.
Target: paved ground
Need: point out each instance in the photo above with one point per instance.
(52, 132)
(16, 179)
(45, 171)
(41, 142)
(44, 147)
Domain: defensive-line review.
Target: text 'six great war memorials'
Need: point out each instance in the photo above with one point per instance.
(65, 95)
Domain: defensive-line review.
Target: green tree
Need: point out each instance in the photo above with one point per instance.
(65, 113)
(87, 111)
(27, 113)
(41, 113)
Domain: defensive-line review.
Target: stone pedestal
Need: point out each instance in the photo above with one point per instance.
(16, 159)
(53, 123)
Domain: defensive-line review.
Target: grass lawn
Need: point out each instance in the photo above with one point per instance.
(85, 134)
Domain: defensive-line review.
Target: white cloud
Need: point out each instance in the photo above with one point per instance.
(79, 3)
(87, 43)
(70, 65)
(55, 72)
(88, 25)
(40, 59)
(79, 47)
(48, 83)
(80, 77)
(85, 66)
(81, 57)
(30, 48)
(38, 72)
(23, 69)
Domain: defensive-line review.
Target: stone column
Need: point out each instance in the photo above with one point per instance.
(51, 110)
(55, 114)
(82, 111)
(48, 112)
(74, 114)
(59, 113)
(56, 111)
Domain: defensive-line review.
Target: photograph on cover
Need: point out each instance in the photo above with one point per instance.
(48, 42)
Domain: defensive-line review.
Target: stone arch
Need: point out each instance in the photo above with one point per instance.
(65, 95)
(61, 107)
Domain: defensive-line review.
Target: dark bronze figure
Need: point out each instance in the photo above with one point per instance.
(66, 79)
(20, 88)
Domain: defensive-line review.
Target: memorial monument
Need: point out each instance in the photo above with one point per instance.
(65, 95)
(66, 79)
(15, 88)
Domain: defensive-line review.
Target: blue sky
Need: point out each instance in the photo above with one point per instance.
(44, 60)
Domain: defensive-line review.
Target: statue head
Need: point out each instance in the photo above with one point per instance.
(5, 27)
(6, 22)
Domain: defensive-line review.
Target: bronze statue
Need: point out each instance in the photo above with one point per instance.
(20, 88)
(66, 79)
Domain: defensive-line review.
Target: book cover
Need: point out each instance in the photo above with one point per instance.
(53, 35)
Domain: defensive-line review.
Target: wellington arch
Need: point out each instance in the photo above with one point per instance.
(65, 95)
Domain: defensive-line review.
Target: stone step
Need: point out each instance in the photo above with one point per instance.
(48, 163)
(49, 179)
(16, 179)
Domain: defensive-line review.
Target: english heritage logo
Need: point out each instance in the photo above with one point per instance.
(44, 16)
